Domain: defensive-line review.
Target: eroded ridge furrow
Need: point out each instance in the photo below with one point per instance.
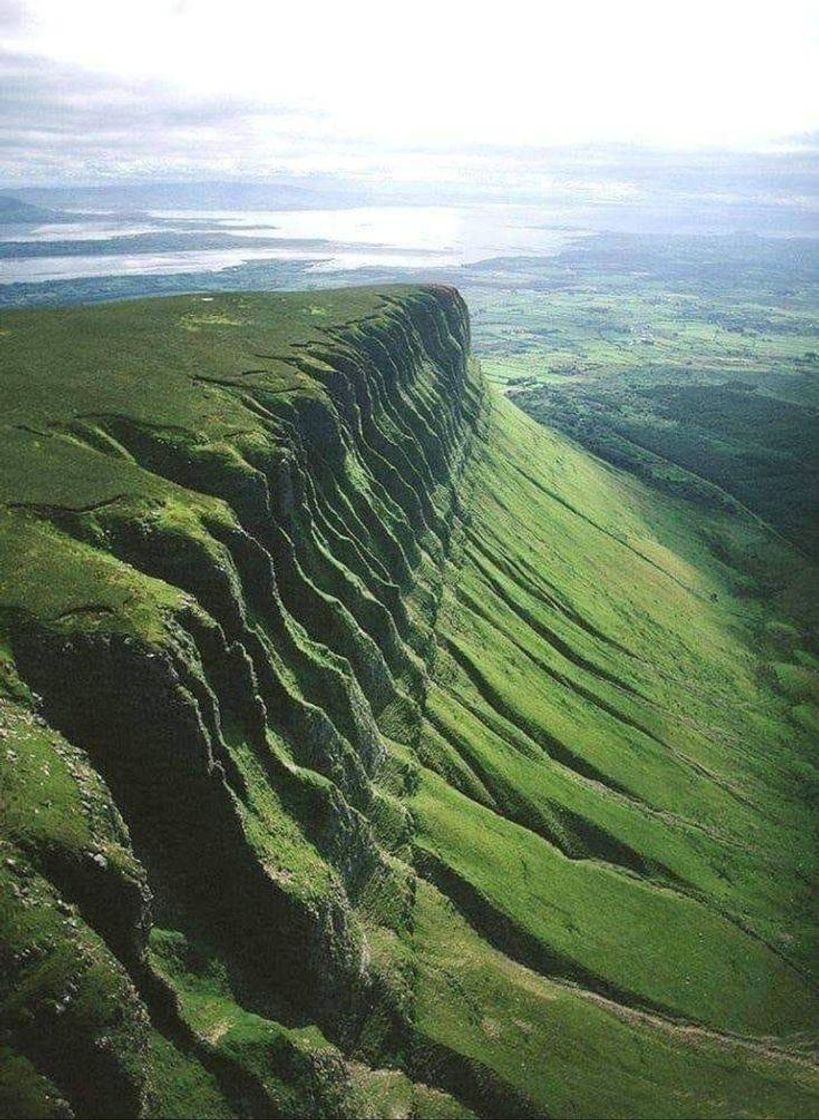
(535, 742)
(576, 837)
(536, 583)
(514, 941)
(294, 573)
(548, 743)
(391, 440)
(167, 774)
(226, 577)
(392, 501)
(484, 561)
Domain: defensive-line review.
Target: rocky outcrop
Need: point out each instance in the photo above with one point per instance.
(305, 553)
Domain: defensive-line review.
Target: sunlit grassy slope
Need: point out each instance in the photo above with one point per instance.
(690, 361)
(369, 750)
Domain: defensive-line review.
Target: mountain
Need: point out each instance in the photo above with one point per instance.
(307, 192)
(14, 211)
(369, 749)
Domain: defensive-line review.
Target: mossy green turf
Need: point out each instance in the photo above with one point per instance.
(573, 876)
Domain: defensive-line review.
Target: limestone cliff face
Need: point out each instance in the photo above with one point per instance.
(288, 574)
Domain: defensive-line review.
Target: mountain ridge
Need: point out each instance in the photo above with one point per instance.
(466, 727)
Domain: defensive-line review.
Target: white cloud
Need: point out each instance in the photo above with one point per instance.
(324, 80)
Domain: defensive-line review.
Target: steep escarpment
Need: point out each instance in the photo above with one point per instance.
(367, 749)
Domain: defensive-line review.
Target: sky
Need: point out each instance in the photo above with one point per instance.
(109, 90)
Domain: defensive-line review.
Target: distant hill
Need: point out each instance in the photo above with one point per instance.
(297, 194)
(13, 211)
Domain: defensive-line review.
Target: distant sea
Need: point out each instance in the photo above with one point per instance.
(160, 230)
(329, 240)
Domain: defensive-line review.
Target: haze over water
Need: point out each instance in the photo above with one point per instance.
(187, 239)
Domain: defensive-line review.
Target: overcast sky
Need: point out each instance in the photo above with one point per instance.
(95, 90)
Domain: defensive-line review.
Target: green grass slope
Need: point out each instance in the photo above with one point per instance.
(689, 361)
(369, 750)
(716, 444)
